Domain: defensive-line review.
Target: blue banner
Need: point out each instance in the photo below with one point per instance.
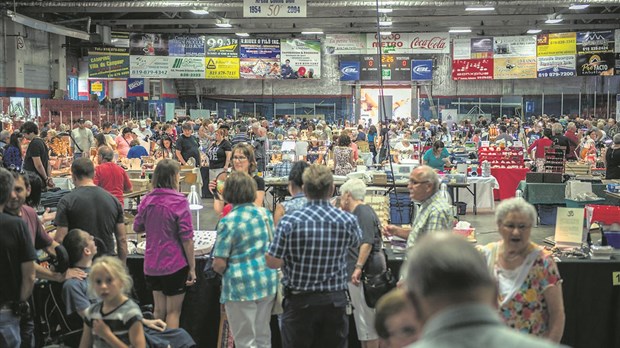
(135, 87)
(349, 71)
(422, 70)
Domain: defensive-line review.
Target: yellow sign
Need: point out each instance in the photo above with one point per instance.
(221, 68)
(514, 68)
(559, 44)
(616, 278)
(96, 87)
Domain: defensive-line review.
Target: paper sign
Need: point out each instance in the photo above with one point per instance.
(569, 226)
(517, 144)
(484, 143)
(616, 278)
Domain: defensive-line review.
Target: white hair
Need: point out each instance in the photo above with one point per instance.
(515, 205)
(356, 187)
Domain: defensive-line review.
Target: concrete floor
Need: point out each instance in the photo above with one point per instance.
(484, 222)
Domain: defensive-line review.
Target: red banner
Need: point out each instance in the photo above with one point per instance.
(472, 69)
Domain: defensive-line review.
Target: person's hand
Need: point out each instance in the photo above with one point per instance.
(50, 182)
(101, 329)
(155, 324)
(75, 273)
(389, 230)
(48, 216)
(191, 278)
(357, 275)
(212, 185)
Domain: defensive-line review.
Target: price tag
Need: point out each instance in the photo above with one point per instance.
(274, 8)
(484, 144)
(616, 278)
(517, 144)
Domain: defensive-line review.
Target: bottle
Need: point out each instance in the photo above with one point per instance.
(443, 190)
(519, 194)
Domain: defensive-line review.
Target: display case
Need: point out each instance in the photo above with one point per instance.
(555, 156)
(502, 157)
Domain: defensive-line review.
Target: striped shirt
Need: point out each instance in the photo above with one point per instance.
(118, 320)
(313, 242)
(435, 214)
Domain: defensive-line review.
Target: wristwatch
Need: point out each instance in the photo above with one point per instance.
(359, 265)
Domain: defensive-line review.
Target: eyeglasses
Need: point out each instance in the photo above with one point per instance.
(414, 182)
(520, 227)
(239, 158)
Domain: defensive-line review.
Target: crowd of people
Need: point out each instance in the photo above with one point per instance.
(509, 291)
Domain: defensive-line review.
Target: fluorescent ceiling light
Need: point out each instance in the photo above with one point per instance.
(480, 8)
(385, 10)
(460, 31)
(385, 33)
(579, 7)
(242, 34)
(385, 23)
(534, 31)
(199, 12)
(553, 20)
(47, 27)
(223, 25)
(312, 32)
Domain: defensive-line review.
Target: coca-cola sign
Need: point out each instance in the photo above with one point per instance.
(408, 43)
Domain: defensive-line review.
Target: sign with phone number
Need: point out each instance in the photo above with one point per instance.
(274, 8)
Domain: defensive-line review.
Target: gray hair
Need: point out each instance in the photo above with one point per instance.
(515, 205)
(556, 129)
(356, 187)
(571, 125)
(448, 266)
(4, 135)
(106, 153)
(428, 174)
(617, 138)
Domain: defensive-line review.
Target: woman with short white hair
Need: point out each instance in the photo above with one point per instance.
(352, 195)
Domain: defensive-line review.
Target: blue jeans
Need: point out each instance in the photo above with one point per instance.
(9, 329)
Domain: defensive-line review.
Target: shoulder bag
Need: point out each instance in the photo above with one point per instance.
(377, 278)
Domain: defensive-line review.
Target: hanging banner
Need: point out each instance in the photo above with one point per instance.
(559, 44)
(403, 43)
(514, 68)
(221, 46)
(108, 62)
(148, 44)
(514, 46)
(183, 45)
(349, 70)
(221, 68)
(595, 42)
(461, 49)
(393, 43)
(472, 69)
(345, 44)
(421, 69)
(167, 67)
(300, 59)
(482, 48)
(120, 39)
(556, 66)
(259, 58)
(135, 87)
(274, 8)
(594, 64)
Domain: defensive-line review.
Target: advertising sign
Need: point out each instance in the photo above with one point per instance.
(595, 42)
(186, 45)
(148, 44)
(422, 70)
(274, 8)
(349, 70)
(260, 58)
(461, 49)
(108, 62)
(482, 47)
(345, 44)
(594, 64)
(559, 44)
(221, 46)
(300, 59)
(120, 39)
(472, 69)
(221, 68)
(393, 43)
(135, 87)
(399, 107)
(408, 43)
(167, 67)
(514, 68)
(514, 46)
(556, 66)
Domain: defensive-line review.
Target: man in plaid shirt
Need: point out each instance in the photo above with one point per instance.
(435, 213)
(311, 246)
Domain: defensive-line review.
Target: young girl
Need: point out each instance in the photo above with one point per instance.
(116, 321)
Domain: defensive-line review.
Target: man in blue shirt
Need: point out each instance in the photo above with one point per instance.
(311, 246)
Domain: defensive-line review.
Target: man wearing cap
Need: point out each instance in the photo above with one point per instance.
(81, 140)
(122, 142)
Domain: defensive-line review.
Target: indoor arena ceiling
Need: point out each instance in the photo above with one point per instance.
(507, 17)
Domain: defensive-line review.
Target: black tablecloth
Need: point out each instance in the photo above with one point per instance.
(591, 301)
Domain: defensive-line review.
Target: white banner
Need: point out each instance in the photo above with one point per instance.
(274, 8)
(403, 43)
(167, 67)
(556, 66)
(345, 44)
(300, 59)
(461, 49)
(514, 46)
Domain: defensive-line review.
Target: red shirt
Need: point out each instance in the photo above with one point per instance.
(112, 178)
(40, 238)
(540, 145)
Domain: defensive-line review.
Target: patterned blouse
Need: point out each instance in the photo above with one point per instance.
(342, 160)
(527, 310)
(243, 239)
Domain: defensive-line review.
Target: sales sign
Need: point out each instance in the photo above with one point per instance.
(556, 66)
(274, 8)
(221, 68)
(422, 70)
(514, 68)
(472, 69)
(221, 46)
(559, 44)
(259, 58)
(108, 62)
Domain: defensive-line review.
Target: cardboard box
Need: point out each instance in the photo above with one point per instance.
(534, 177)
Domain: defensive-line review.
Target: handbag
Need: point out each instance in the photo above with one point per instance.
(377, 278)
(277, 308)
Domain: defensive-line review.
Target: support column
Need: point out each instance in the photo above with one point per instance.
(59, 63)
(15, 53)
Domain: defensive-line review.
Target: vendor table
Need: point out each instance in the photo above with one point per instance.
(508, 180)
(590, 301)
(546, 193)
(613, 194)
(63, 182)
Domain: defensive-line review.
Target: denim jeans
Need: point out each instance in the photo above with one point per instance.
(9, 329)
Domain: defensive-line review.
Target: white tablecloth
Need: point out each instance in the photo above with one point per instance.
(64, 183)
(484, 193)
